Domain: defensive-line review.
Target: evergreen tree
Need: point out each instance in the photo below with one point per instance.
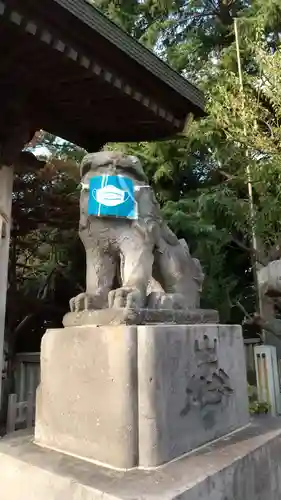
(200, 179)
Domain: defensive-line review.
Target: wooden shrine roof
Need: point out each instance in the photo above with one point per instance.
(79, 76)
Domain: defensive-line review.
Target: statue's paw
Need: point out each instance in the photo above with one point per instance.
(79, 303)
(86, 302)
(162, 300)
(129, 298)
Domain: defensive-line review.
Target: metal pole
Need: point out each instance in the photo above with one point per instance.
(249, 179)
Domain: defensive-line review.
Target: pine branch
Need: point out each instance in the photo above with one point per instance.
(258, 258)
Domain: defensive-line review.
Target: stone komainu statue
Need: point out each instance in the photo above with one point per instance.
(133, 263)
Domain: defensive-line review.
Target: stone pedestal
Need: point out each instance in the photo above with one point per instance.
(139, 396)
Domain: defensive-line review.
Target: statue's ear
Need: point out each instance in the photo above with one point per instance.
(85, 167)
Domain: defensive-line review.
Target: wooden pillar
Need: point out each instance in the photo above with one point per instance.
(6, 190)
(15, 133)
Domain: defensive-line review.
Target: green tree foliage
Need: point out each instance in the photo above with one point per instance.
(44, 268)
(200, 179)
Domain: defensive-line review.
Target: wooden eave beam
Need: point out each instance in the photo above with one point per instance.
(84, 60)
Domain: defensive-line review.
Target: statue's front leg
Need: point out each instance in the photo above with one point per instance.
(100, 273)
(137, 260)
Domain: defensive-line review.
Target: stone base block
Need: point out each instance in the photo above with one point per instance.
(139, 396)
(244, 466)
(86, 404)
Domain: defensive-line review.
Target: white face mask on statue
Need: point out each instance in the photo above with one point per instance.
(110, 196)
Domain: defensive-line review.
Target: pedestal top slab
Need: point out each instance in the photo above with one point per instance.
(113, 316)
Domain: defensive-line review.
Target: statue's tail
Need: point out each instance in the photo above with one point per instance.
(199, 275)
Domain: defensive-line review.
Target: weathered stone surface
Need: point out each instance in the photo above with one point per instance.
(125, 316)
(133, 263)
(131, 396)
(269, 278)
(192, 388)
(244, 466)
(87, 399)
